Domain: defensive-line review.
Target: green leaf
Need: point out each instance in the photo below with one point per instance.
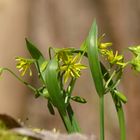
(56, 95)
(93, 58)
(78, 99)
(37, 55)
(50, 107)
(53, 86)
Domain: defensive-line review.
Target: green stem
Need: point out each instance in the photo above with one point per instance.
(66, 122)
(69, 108)
(119, 108)
(25, 83)
(102, 118)
(121, 118)
(72, 119)
(50, 56)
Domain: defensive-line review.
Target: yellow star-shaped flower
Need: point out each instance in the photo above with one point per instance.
(24, 64)
(71, 67)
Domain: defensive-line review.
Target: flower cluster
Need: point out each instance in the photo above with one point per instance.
(70, 65)
(63, 54)
(112, 58)
(23, 65)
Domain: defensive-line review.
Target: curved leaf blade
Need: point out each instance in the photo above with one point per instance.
(37, 55)
(93, 58)
(53, 86)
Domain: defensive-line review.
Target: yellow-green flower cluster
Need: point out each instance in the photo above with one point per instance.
(135, 62)
(70, 64)
(64, 54)
(135, 50)
(24, 64)
(112, 58)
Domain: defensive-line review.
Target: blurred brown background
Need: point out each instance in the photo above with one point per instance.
(65, 23)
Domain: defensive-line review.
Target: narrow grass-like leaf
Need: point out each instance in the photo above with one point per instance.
(93, 58)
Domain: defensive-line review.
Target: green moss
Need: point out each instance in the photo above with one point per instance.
(2, 125)
(8, 135)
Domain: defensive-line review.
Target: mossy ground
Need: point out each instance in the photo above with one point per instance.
(6, 134)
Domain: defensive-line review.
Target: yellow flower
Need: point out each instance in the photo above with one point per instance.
(64, 54)
(109, 54)
(135, 62)
(71, 67)
(115, 58)
(24, 64)
(135, 50)
(105, 45)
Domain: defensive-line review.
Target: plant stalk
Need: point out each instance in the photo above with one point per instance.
(22, 81)
(102, 117)
(74, 122)
(121, 119)
(66, 122)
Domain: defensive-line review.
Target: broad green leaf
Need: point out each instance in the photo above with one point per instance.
(93, 58)
(53, 86)
(78, 99)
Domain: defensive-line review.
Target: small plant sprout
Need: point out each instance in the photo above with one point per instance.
(58, 75)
